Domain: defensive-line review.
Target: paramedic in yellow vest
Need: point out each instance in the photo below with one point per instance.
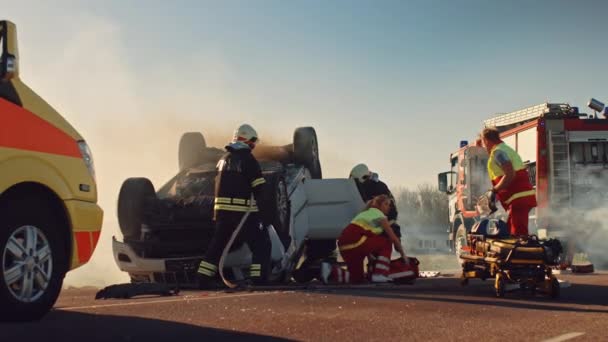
(510, 180)
(364, 236)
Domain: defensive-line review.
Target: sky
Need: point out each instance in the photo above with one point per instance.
(393, 84)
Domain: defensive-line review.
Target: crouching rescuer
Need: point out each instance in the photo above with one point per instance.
(239, 189)
(510, 180)
(363, 237)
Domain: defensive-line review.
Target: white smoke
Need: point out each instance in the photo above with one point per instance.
(584, 221)
(132, 120)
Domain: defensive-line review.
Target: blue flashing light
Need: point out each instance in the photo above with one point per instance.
(463, 143)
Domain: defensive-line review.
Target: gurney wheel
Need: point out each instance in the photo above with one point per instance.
(499, 285)
(554, 290)
(464, 281)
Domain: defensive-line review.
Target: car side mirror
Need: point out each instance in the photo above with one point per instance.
(9, 55)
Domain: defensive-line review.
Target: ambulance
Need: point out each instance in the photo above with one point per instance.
(49, 218)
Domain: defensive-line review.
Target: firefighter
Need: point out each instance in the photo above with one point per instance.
(370, 186)
(362, 237)
(510, 180)
(239, 176)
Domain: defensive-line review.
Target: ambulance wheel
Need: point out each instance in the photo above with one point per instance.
(33, 256)
(306, 150)
(500, 285)
(191, 146)
(134, 193)
(554, 290)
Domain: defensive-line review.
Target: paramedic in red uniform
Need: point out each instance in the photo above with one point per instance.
(364, 236)
(510, 180)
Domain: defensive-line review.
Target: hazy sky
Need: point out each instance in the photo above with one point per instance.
(394, 84)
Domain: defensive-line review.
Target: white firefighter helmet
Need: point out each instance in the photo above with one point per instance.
(360, 172)
(245, 134)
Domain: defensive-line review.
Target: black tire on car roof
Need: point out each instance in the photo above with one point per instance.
(132, 199)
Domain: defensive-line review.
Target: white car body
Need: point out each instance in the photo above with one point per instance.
(320, 210)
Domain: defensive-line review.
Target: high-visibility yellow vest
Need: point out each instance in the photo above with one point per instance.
(370, 220)
(520, 186)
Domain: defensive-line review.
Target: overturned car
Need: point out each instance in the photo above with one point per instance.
(166, 231)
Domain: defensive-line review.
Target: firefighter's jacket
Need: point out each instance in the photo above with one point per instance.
(239, 176)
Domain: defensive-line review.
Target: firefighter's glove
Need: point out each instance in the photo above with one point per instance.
(491, 195)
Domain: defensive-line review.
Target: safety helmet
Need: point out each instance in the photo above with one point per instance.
(245, 134)
(360, 172)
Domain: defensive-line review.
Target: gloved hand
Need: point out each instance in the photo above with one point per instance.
(491, 194)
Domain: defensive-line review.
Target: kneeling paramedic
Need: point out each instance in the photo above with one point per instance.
(510, 180)
(362, 237)
(239, 176)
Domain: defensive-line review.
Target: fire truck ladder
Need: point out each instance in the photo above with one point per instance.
(526, 114)
(559, 150)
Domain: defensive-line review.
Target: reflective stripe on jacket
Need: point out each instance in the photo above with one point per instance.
(520, 187)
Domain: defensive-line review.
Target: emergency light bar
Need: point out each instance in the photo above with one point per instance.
(595, 105)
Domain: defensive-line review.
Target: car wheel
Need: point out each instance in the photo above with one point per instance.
(132, 199)
(282, 209)
(191, 147)
(33, 260)
(306, 150)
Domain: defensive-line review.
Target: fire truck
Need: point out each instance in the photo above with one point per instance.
(566, 153)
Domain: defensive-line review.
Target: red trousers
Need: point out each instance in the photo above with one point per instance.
(519, 211)
(366, 243)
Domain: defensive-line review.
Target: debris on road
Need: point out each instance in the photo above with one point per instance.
(128, 290)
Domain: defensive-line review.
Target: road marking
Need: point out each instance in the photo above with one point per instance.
(565, 337)
(183, 299)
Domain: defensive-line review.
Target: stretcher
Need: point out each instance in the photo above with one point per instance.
(492, 254)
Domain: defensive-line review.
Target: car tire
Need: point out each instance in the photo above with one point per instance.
(134, 194)
(191, 148)
(31, 229)
(306, 150)
(281, 213)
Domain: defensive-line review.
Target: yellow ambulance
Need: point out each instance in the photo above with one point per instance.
(49, 218)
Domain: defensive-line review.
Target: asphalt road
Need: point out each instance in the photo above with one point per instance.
(437, 309)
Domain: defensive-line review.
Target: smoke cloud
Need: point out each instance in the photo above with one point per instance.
(583, 221)
(132, 120)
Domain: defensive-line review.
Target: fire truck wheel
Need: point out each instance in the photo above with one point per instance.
(132, 198)
(33, 257)
(460, 241)
(191, 147)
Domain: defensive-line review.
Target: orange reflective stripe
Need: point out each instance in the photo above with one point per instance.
(21, 129)
(83, 246)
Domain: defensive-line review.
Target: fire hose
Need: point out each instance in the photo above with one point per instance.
(229, 245)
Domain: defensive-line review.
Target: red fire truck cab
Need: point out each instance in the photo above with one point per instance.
(566, 153)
